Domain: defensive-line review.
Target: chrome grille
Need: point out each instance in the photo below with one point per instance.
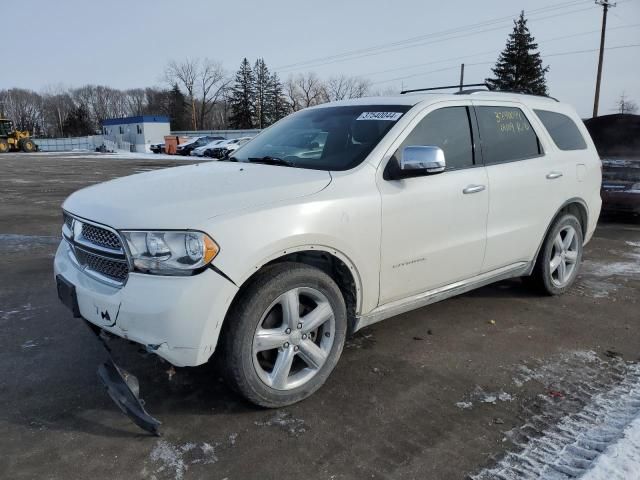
(100, 236)
(68, 220)
(96, 250)
(114, 269)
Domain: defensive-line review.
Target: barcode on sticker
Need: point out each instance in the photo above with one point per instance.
(389, 116)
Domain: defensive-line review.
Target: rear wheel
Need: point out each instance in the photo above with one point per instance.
(4, 146)
(27, 146)
(559, 258)
(284, 335)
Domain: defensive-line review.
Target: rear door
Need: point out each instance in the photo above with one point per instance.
(526, 185)
(433, 227)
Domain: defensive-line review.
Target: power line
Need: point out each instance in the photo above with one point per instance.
(557, 54)
(406, 43)
(462, 57)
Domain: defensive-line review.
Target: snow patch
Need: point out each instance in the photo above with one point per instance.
(173, 461)
(12, 243)
(480, 396)
(621, 461)
(293, 426)
(598, 441)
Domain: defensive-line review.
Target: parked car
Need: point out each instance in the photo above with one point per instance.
(222, 150)
(617, 139)
(273, 258)
(199, 151)
(157, 147)
(187, 147)
(231, 147)
(621, 185)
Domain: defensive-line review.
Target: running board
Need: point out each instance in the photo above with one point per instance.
(442, 293)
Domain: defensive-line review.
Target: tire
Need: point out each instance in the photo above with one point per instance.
(27, 146)
(560, 257)
(258, 348)
(4, 146)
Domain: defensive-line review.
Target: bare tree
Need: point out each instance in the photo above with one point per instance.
(24, 107)
(213, 81)
(342, 87)
(305, 90)
(185, 74)
(204, 82)
(626, 106)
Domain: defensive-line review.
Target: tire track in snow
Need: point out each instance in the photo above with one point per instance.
(570, 447)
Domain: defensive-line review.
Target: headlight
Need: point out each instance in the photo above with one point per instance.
(635, 188)
(170, 253)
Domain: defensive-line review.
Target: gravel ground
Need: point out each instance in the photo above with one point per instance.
(454, 390)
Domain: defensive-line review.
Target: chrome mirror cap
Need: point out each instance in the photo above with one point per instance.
(427, 158)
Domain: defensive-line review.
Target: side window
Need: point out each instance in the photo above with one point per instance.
(563, 130)
(447, 128)
(506, 135)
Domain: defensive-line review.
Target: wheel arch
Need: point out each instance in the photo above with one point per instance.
(578, 207)
(330, 260)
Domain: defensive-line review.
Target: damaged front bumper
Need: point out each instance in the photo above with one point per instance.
(124, 390)
(122, 386)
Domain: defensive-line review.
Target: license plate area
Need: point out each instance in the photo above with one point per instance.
(67, 295)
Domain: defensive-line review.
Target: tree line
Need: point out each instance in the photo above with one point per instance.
(198, 94)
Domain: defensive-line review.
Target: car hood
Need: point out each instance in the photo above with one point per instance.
(184, 197)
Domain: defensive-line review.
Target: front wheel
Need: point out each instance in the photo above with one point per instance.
(560, 257)
(284, 335)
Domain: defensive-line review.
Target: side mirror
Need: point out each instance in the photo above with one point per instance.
(422, 160)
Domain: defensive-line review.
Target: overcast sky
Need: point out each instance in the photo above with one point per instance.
(127, 44)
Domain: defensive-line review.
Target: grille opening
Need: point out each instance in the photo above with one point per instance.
(101, 237)
(114, 269)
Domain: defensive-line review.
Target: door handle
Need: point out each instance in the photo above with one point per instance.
(473, 189)
(554, 175)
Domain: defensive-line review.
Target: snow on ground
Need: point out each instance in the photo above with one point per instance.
(599, 441)
(121, 155)
(621, 461)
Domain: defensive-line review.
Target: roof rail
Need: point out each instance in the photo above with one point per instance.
(476, 90)
(445, 88)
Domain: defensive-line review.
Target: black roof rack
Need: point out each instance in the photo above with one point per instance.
(445, 88)
(475, 90)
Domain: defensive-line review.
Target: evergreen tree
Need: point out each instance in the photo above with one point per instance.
(177, 109)
(519, 66)
(243, 97)
(261, 89)
(78, 123)
(278, 105)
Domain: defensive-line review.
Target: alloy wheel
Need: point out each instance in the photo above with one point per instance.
(294, 338)
(564, 256)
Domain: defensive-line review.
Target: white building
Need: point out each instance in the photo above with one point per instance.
(136, 133)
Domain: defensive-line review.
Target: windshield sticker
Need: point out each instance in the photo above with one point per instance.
(388, 116)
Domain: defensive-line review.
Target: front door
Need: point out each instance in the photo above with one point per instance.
(434, 226)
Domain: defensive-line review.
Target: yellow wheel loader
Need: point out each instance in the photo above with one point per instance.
(12, 140)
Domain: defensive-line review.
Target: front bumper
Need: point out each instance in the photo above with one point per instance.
(178, 318)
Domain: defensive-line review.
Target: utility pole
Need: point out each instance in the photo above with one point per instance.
(605, 4)
(461, 75)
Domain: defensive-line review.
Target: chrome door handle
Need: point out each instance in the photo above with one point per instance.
(473, 189)
(553, 175)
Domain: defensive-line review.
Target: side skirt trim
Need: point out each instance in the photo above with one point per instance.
(442, 293)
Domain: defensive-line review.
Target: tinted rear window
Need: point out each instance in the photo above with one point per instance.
(563, 130)
(506, 135)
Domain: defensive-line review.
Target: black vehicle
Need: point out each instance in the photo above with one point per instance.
(157, 147)
(186, 148)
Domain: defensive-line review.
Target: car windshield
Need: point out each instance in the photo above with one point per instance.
(327, 138)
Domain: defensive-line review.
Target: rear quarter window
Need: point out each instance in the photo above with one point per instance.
(506, 135)
(563, 130)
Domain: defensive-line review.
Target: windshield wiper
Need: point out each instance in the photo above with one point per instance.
(270, 161)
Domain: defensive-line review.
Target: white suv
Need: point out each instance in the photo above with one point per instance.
(336, 217)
